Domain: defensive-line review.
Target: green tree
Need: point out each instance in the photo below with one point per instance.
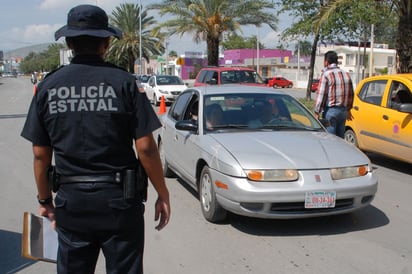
(47, 60)
(172, 53)
(207, 20)
(330, 20)
(235, 41)
(123, 52)
(359, 16)
(304, 48)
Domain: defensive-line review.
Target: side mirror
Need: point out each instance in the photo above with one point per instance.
(212, 81)
(187, 125)
(407, 108)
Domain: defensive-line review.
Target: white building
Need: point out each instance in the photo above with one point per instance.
(379, 59)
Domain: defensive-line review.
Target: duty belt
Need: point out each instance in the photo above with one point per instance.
(98, 178)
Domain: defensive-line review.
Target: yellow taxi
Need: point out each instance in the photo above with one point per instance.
(381, 116)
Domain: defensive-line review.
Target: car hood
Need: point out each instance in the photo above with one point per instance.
(299, 150)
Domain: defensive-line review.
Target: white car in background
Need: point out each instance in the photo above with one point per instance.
(168, 86)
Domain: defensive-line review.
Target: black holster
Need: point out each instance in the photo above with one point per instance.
(135, 183)
(142, 178)
(53, 179)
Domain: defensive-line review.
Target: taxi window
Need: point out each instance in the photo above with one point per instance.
(372, 92)
(393, 98)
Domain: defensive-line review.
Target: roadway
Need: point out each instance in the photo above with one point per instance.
(376, 239)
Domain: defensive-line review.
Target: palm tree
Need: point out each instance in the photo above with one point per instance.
(208, 19)
(125, 51)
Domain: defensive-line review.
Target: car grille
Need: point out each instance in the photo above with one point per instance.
(300, 207)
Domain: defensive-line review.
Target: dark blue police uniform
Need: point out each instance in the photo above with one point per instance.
(90, 112)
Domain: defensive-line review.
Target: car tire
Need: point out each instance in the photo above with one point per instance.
(211, 209)
(350, 137)
(167, 172)
(290, 86)
(275, 86)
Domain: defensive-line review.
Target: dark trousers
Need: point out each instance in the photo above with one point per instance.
(94, 216)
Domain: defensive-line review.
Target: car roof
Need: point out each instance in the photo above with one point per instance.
(165, 75)
(228, 68)
(406, 76)
(235, 88)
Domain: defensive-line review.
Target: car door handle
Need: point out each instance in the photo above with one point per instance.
(356, 108)
(385, 117)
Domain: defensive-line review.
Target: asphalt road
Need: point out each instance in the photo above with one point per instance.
(376, 239)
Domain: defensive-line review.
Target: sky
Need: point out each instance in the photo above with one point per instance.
(31, 22)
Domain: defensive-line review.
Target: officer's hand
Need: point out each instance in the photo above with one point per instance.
(162, 210)
(48, 211)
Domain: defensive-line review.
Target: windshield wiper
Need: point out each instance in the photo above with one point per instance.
(289, 127)
(229, 126)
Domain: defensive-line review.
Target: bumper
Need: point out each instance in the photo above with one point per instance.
(287, 200)
(169, 98)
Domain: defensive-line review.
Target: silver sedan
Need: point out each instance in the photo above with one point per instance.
(258, 152)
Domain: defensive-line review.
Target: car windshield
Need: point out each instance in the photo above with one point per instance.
(256, 111)
(144, 78)
(168, 80)
(240, 76)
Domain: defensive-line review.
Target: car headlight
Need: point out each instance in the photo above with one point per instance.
(163, 91)
(276, 175)
(349, 172)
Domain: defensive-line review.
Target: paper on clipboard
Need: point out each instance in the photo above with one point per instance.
(39, 238)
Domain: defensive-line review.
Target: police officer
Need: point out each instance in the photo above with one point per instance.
(88, 115)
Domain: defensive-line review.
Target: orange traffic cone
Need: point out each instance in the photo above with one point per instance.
(34, 89)
(162, 108)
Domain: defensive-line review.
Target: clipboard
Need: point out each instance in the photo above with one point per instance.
(39, 239)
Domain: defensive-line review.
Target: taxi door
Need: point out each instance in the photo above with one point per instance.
(380, 127)
(396, 126)
(368, 121)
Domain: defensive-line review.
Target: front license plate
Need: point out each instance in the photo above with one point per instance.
(320, 199)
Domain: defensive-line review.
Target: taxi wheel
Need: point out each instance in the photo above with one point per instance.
(350, 137)
(212, 211)
(167, 172)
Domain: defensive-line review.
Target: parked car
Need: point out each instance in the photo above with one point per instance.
(9, 75)
(280, 82)
(381, 117)
(228, 75)
(286, 166)
(314, 86)
(168, 86)
(143, 79)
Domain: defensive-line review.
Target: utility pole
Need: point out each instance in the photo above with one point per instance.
(167, 60)
(298, 73)
(257, 51)
(371, 54)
